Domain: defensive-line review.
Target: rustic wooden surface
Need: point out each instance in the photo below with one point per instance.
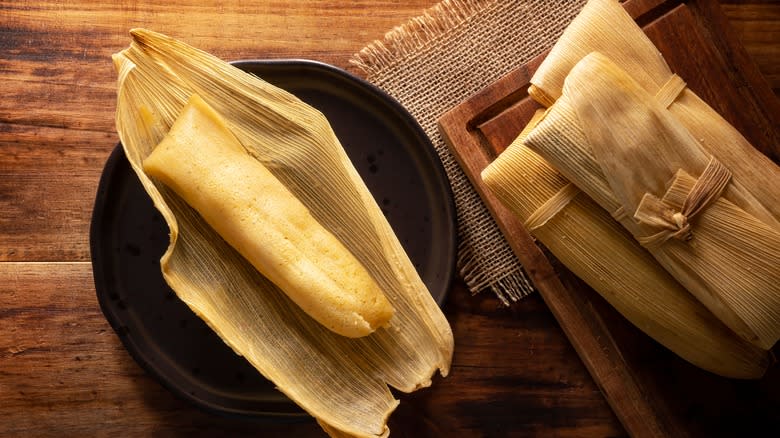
(63, 371)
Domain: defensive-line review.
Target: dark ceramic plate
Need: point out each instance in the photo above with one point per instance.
(128, 236)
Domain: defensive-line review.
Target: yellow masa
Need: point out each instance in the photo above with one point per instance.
(205, 164)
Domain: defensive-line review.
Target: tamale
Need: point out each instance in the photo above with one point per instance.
(256, 214)
(343, 382)
(597, 249)
(609, 137)
(604, 26)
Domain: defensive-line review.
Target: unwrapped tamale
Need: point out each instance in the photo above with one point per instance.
(343, 382)
(597, 249)
(613, 140)
(256, 214)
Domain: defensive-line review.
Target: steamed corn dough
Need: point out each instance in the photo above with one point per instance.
(256, 214)
(342, 382)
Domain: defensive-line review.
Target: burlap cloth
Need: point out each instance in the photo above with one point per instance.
(437, 60)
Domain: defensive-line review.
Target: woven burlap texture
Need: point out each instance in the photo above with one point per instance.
(437, 60)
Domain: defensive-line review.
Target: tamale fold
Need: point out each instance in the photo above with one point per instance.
(604, 26)
(342, 382)
(608, 136)
(597, 249)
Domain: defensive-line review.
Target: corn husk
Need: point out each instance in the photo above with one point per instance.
(609, 137)
(598, 250)
(604, 26)
(259, 217)
(342, 382)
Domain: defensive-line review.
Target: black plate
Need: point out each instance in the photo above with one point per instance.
(128, 236)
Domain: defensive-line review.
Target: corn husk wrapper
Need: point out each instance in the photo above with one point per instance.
(598, 250)
(609, 137)
(604, 26)
(342, 382)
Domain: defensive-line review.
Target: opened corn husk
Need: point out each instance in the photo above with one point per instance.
(204, 163)
(610, 137)
(597, 249)
(604, 26)
(342, 382)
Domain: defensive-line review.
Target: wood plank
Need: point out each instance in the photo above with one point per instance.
(48, 181)
(55, 50)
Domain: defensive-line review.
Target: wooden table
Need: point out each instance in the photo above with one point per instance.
(64, 372)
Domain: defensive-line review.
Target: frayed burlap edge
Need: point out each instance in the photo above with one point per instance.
(509, 283)
(412, 36)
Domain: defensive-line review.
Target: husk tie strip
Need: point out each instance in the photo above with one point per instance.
(674, 221)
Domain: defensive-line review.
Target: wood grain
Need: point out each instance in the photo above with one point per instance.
(758, 28)
(63, 371)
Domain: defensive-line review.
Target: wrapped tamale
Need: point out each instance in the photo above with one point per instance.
(597, 249)
(614, 141)
(604, 26)
(343, 382)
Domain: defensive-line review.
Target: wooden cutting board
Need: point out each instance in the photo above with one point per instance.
(652, 391)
